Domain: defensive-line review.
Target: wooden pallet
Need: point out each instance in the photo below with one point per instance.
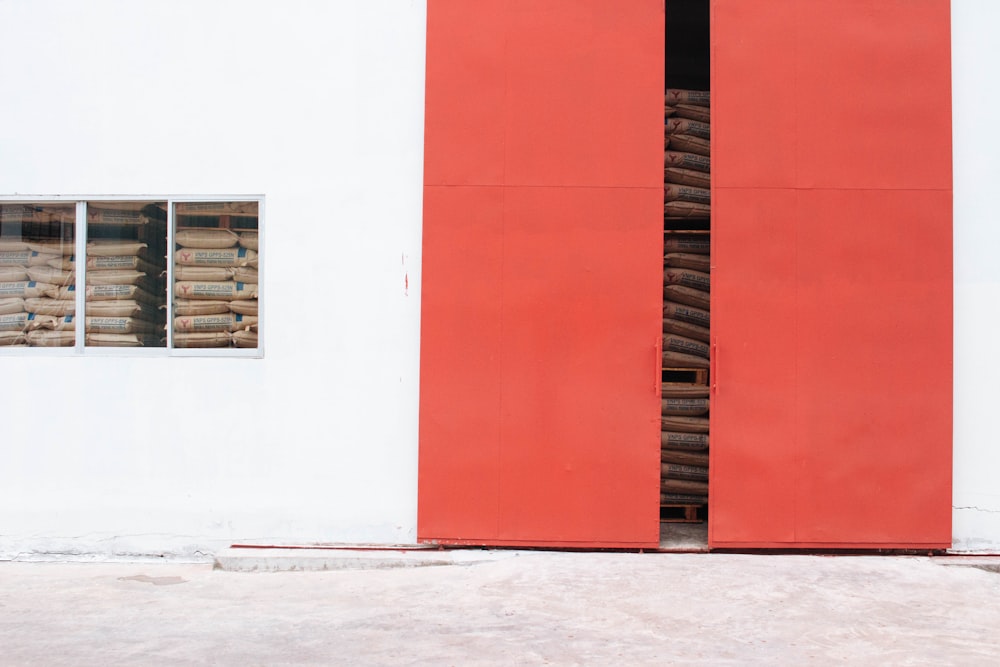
(680, 514)
(685, 375)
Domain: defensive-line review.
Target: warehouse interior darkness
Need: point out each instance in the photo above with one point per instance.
(684, 437)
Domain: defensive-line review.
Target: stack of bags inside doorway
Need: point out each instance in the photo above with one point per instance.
(686, 267)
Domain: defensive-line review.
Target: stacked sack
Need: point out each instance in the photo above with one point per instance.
(215, 289)
(686, 345)
(686, 296)
(686, 154)
(124, 288)
(37, 293)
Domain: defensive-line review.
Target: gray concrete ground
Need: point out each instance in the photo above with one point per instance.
(509, 608)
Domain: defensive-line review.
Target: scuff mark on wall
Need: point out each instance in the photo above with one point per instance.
(406, 277)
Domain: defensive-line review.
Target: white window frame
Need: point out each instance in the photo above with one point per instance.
(80, 349)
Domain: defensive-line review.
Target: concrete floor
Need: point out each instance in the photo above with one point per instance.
(509, 608)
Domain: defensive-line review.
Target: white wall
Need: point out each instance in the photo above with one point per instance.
(976, 97)
(316, 105)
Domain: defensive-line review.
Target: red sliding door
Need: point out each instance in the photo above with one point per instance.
(832, 286)
(541, 273)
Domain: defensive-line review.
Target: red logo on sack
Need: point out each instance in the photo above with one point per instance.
(185, 288)
(184, 322)
(185, 255)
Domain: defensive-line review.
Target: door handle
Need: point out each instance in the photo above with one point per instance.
(658, 364)
(713, 366)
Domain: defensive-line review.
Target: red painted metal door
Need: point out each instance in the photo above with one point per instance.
(542, 263)
(832, 291)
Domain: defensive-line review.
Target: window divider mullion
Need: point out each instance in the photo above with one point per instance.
(80, 266)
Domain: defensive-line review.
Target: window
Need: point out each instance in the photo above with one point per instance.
(175, 274)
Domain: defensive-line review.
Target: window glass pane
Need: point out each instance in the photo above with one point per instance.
(215, 274)
(125, 274)
(37, 293)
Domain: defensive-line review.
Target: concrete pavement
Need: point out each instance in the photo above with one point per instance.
(509, 608)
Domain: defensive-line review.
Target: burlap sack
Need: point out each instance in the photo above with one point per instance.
(694, 128)
(246, 274)
(687, 330)
(672, 192)
(13, 274)
(245, 323)
(64, 293)
(227, 290)
(218, 257)
(680, 176)
(674, 96)
(677, 311)
(675, 343)
(193, 307)
(31, 321)
(682, 360)
(684, 457)
(11, 304)
(695, 244)
(24, 258)
(118, 325)
(245, 307)
(110, 215)
(690, 144)
(14, 322)
(26, 289)
(65, 323)
(246, 208)
(685, 260)
(10, 245)
(50, 322)
(688, 441)
(668, 111)
(57, 248)
(249, 240)
(120, 308)
(688, 407)
(684, 424)
(203, 273)
(12, 338)
(687, 296)
(220, 339)
(46, 338)
(111, 248)
(245, 339)
(114, 340)
(47, 274)
(683, 471)
(47, 306)
(207, 323)
(64, 262)
(681, 499)
(122, 263)
(687, 278)
(678, 210)
(115, 292)
(114, 277)
(702, 114)
(687, 486)
(206, 238)
(683, 390)
(690, 161)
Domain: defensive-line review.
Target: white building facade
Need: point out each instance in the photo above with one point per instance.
(315, 110)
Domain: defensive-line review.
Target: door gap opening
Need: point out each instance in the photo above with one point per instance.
(687, 226)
